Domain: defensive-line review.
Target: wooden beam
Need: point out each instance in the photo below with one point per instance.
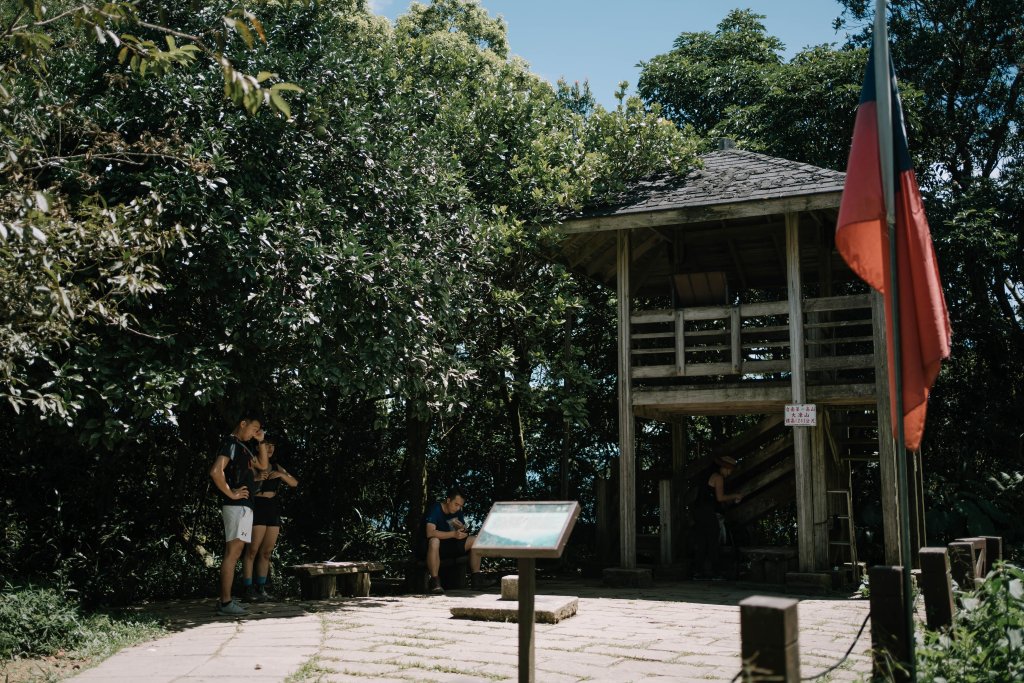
(781, 493)
(637, 253)
(769, 476)
(627, 463)
(746, 463)
(750, 397)
(700, 214)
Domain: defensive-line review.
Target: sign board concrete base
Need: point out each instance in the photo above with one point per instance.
(548, 609)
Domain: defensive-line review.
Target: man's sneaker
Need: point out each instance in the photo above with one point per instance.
(434, 586)
(479, 581)
(250, 594)
(232, 609)
(262, 595)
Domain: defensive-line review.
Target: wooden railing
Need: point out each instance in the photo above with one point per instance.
(751, 341)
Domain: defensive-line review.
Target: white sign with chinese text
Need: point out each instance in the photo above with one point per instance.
(801, 415)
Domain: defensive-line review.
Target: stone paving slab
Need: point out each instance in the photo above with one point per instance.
(669, 632)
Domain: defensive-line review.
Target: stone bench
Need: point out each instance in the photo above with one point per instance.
(453, 572)
(770, 563)
(321, 580)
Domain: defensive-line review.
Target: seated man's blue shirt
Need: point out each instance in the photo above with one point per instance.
(439, 519)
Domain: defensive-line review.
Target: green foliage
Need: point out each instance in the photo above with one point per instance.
(986, 642)
(41, 621)
(362, 266)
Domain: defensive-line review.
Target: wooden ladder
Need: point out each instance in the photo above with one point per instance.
(842, 537)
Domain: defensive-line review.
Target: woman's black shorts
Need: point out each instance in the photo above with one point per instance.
(266, 512)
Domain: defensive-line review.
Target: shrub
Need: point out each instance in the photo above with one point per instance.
(986, 642)
(37, 621)
(43, 621)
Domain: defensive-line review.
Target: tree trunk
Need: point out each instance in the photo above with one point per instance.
(418, 425)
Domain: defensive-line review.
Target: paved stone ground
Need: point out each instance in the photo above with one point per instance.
(671, 632)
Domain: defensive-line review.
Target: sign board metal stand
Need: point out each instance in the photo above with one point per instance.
(527, 531)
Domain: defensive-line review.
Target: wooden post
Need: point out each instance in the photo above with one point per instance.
(888, 624)
(993, 551)
(768, 634)
(937, 587)
(977, 554)
(627, 465)
(680, 338)
(886, 442)
(665, 514)
(961, 564)
(736, 339)
(527, 591)
(679, 489)
(819, 487)
(801, 436)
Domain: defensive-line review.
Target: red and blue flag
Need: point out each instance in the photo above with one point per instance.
(862, 239)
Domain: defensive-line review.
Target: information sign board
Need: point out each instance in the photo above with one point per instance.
(528, 529)
(801, 415)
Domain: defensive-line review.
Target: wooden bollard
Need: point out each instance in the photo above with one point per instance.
(768, 634)
(978, 554)
(888, 624)
(993, 551)
(937, 587)
(961, 564)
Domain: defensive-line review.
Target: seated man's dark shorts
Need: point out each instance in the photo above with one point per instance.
(450, 548)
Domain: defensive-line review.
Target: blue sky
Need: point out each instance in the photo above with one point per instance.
(603, 40)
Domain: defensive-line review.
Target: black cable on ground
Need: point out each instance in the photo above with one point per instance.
(848, 651)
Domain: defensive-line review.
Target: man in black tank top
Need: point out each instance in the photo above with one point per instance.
(233, 475)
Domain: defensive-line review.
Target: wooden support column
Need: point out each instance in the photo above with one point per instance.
(680, 486)
(801, 435)
(819, 486)
(627, 465)
(665, 509)
(886, 441)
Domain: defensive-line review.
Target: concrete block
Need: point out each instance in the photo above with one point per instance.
(548, 609)
(510, 587)
(816, 582)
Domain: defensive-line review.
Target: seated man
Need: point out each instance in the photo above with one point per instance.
(447, 537)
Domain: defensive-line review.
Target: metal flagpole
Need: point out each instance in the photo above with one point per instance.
(883, 98)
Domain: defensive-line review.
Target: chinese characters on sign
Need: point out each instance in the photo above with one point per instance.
(801, 415)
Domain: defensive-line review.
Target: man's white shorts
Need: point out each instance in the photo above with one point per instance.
(237, 522)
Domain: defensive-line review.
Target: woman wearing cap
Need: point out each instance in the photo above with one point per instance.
(266, 526)
(709, 501)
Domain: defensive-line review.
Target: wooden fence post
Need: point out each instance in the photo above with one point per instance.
(993, 551)
(769, 635)
(888, 624)
(961, 564)
(937, 587)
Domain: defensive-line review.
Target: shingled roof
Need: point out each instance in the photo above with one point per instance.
(728, 176)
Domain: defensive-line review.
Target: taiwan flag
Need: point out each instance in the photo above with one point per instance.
(862, 239)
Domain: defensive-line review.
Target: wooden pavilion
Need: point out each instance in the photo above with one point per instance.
(732, 300)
